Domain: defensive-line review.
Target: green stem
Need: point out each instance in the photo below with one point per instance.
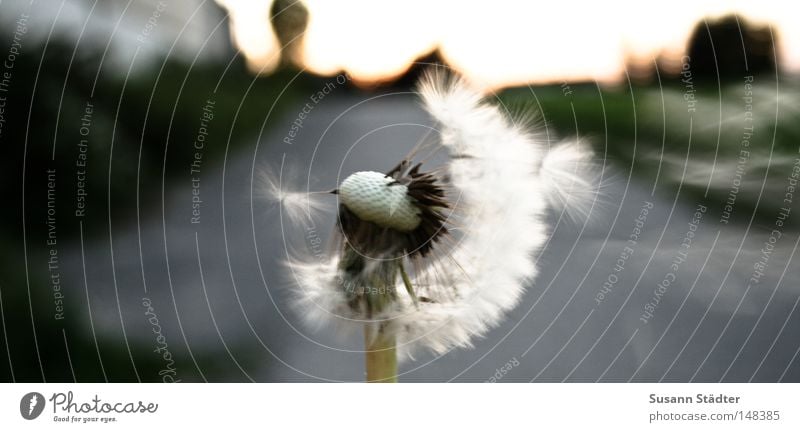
(381, 356)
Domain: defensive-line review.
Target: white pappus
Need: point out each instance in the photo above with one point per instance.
(436, 258)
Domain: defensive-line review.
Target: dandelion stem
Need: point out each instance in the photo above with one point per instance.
(381, 355)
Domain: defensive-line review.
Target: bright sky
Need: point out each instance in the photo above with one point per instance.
(499, 42)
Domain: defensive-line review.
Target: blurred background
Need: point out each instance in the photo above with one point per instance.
(138, 245)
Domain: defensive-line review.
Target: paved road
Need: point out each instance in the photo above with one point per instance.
(231, 321)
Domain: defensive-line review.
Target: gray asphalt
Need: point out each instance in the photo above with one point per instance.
(233, 322)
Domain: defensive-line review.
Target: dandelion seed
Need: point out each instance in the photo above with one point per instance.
(299, 206)
(434, 257)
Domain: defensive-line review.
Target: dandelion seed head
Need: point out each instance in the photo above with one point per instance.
(494, 191)
(378, 198)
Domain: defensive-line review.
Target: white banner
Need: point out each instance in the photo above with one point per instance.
(404, 407)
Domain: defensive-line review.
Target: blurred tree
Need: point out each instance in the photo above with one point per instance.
(289, 20)
(430, 61)
(729, 48)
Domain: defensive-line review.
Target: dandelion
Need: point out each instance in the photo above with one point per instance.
(432, 258)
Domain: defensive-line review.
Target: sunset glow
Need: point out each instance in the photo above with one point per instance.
(511, 42)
